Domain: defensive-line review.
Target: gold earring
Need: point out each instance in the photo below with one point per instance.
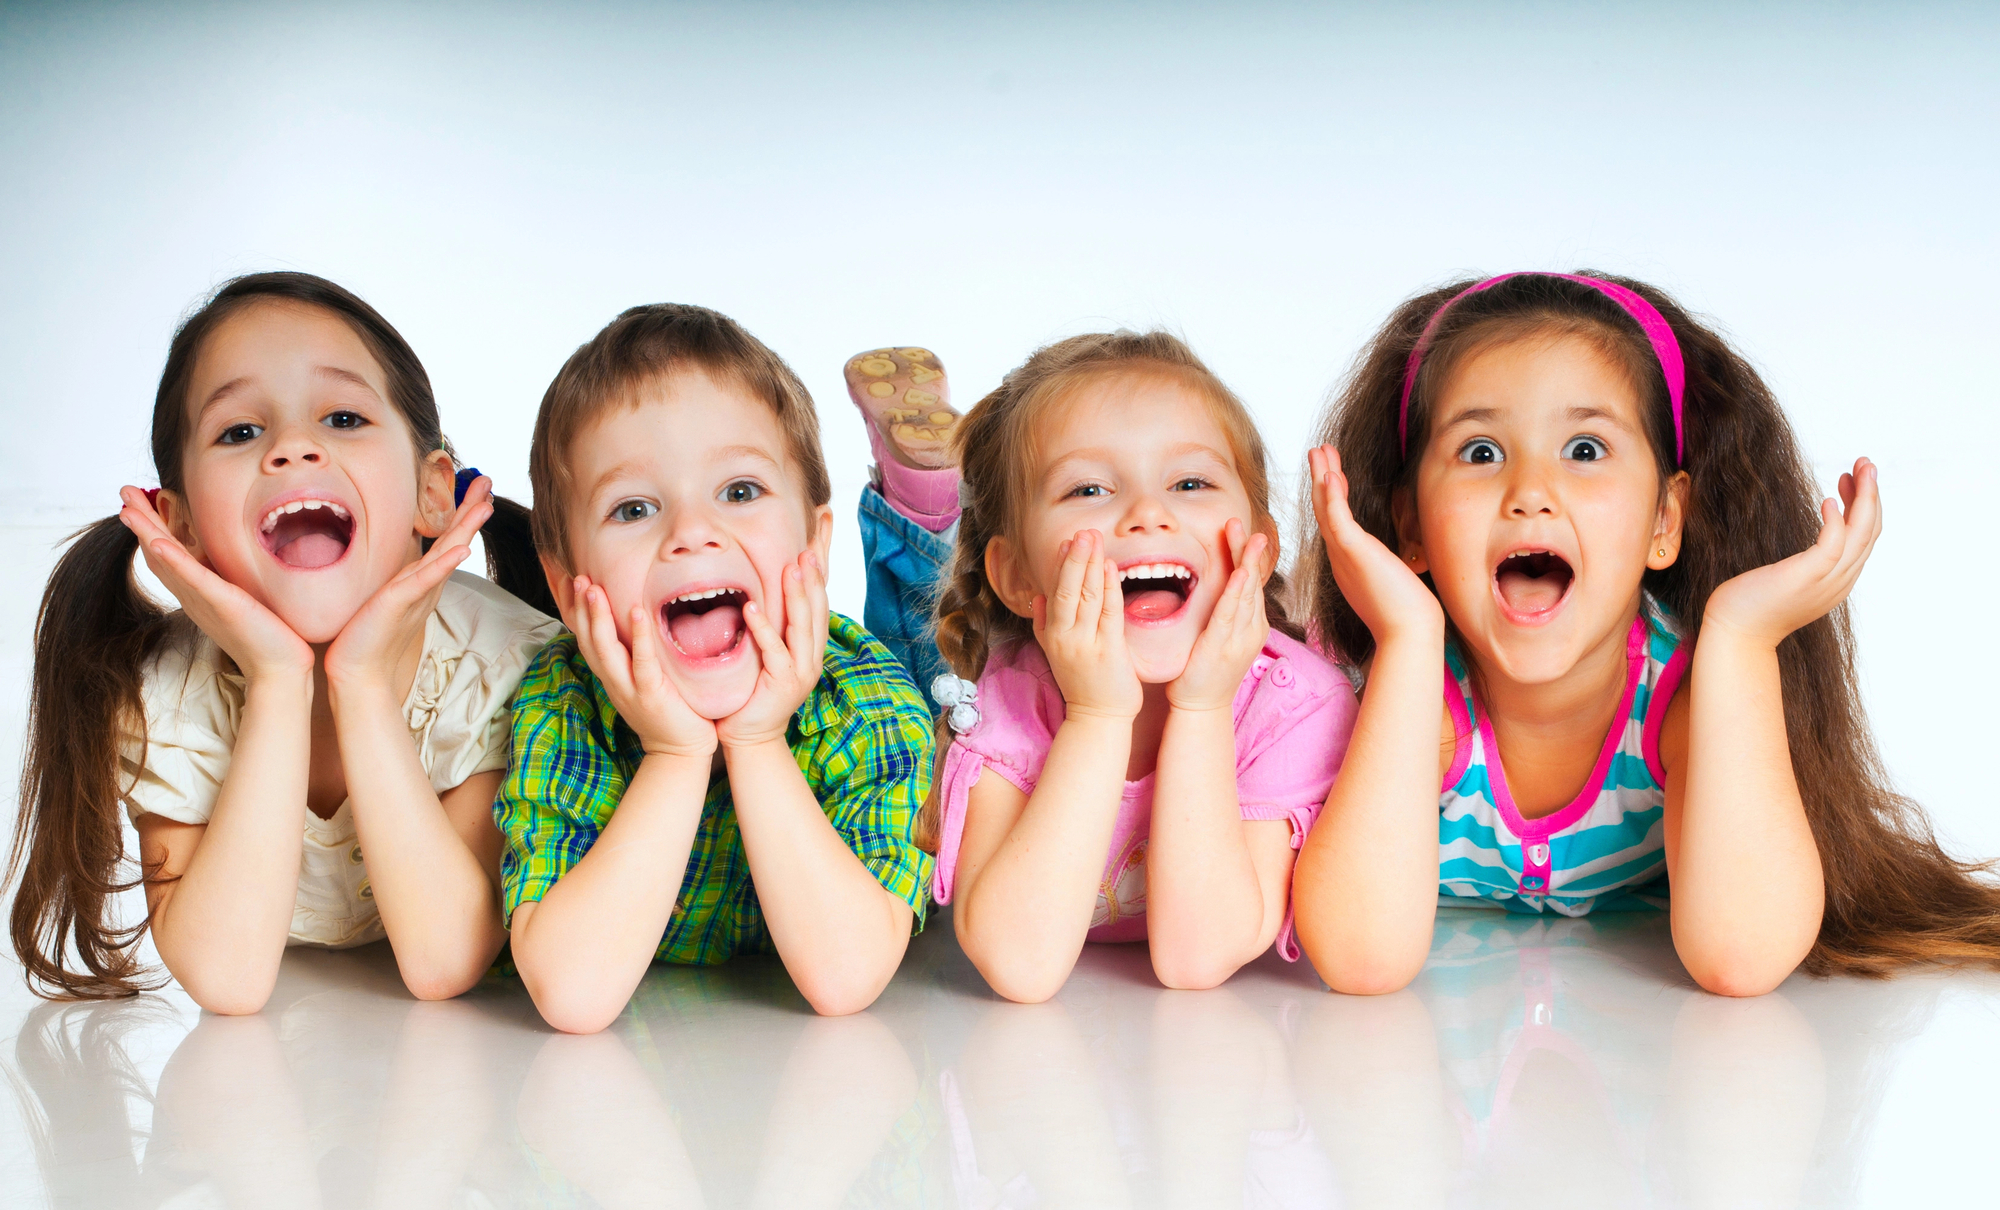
(1662, 552)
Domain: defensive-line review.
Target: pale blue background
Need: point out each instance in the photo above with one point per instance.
(502, 179)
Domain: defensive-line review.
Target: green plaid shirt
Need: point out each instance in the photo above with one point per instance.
(862, 739)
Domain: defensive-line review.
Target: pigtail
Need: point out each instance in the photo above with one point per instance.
(511, 559)
(93, 636)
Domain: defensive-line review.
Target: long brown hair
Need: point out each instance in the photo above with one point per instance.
(996, 449)
(96, 632)
(1893, 895)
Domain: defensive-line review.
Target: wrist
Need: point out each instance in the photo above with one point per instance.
(279, 683)
(738, 746)
(1202, 709)
(673, 749)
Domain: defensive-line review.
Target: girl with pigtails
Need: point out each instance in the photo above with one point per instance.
(309, 746)
(1584, 509)
(1138, 738)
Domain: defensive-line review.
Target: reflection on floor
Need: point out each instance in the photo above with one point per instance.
(1537, 1062)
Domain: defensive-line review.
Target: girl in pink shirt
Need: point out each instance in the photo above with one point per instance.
(1141, 741)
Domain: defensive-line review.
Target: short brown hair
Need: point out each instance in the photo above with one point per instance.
(645, 344)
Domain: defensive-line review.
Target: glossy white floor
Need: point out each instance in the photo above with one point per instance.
(1535, 1063)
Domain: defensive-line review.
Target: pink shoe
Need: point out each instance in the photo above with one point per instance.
(906, 398)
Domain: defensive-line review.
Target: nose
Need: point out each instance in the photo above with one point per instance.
(1146, 512)
(691, 529)
(1529, 490)
(296, 445)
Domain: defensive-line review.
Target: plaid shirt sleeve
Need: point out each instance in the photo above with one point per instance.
(866, 753)
(563, 779)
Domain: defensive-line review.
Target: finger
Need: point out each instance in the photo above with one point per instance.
(1236, 538)
(770, 646)
(1062, 606)
(646, 663)
(1864, 516)
(798, 618)
(812, 656)
(1039, 616)
(459, 536)
(1090, 607)
(1111, 613)
(613, 662)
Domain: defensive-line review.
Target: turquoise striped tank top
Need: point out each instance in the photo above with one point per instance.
(1604, 847)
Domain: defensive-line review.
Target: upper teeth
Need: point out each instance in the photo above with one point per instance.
(1155, 571)
(271, 518)
(703, 595)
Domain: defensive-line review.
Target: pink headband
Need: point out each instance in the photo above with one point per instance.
(1661, 336)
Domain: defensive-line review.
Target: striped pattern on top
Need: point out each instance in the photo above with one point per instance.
(1607, 843)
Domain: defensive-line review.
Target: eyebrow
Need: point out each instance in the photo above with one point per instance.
(1579, 412)
(348, 377)
(745, 451)
(1177, 450)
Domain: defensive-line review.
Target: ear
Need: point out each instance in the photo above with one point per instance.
(1409, 535)
(1010, 580)
(561, 585)
(821, 531)
(436, 484)
(180, 522)
(1667, 529)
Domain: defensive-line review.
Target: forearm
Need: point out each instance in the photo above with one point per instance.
(1206, 914)
(439, 901)
(1748, 889)
(221, 926)
(1023, 914)
(583, 948)
(838, 932)
(1365, 894)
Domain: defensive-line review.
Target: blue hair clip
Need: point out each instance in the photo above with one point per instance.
(462, 483)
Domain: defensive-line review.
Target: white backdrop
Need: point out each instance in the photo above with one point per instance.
(500, 181)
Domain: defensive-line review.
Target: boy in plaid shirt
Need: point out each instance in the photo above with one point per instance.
(710, 762)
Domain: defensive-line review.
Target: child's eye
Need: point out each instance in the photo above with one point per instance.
(345, 421)
(1192, 483)
(1584, 449)
(237, 434)
(1088, 491)
(742, 491)
(1481, 451)
(633, 510)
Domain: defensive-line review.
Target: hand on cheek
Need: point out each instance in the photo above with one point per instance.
(1081, 630)
(790, 663)
(636, 678)
(1235, 632)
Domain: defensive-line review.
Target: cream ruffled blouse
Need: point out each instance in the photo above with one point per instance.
(476, 645)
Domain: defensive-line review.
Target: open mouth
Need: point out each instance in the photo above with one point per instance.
(706, 623)
(1533, 582)
(307, 534)
(1155, 592)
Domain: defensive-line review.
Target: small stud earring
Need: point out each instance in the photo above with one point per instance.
(1662, 552)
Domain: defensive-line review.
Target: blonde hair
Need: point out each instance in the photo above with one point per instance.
(997, 456)
(642, 345)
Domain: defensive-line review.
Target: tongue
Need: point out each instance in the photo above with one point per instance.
(1152, 604)
(1531, 594)
(707, 634)
(311, 550)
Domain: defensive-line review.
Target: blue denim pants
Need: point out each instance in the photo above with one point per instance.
(905, 564)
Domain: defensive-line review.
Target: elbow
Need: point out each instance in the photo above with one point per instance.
(1737, 975)
(840, 1001)
(576, 1014)
(1369, 974)
(440, 986)
(1191, 973)
(236, 1001)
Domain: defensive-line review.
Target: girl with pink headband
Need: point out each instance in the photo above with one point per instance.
(1591, 512)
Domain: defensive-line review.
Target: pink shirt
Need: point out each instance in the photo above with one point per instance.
(1294, 712)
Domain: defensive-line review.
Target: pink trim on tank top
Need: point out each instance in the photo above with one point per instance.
(1461, 730)
(1539, 830)
(1656, 709)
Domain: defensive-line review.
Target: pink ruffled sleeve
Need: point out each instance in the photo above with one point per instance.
(1292, 730)
(1019, 711)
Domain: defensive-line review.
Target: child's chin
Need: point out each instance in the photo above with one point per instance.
(317, 622)
(718, 696)
(1161, 666)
